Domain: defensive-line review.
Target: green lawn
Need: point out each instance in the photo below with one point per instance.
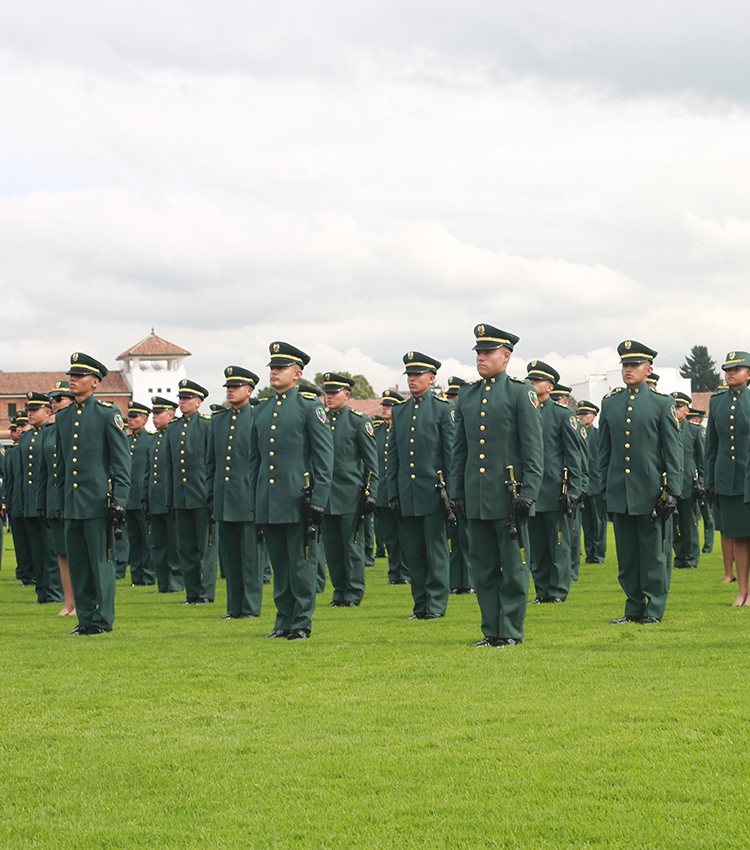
(180, 730)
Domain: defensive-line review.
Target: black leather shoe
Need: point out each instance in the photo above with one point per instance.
(416, 617)
(454, 591)
(484, 642)
(432, 617)
(277, 633)
(336, 604)
(202, 600)
(553, 599)
(78, 630)
(188, 601)
(229, 617)
(351, 604)
(298, 634)
(244, 616)
(392, 582)
(648, 621)
(622, 620)
(501, 642)
(537, 601)
(95, 630)
(266, 581)
(403, 581)
(470, 590)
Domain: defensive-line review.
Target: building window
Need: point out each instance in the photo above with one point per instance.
(150, 389)
(159, 390)
(11, 409)
(169, 389)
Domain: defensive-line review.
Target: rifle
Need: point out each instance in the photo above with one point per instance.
(659, 511)
(115, 515)
(5, 516)
(516, 530)
(307, 509)
(363, 506)
(563, 505)
(450, 515)
(698, 494)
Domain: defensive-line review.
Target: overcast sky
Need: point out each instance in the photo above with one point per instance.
(362, 179)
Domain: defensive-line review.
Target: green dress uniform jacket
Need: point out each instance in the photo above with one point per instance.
(155, 491)
(398, 572)
(187, 492)
(498, 424)
(640, 441)
(291, 437)
(46, 568)
(592, 519)
(354, 459)
(92, 451)
(551, 560)
(141, 567)
(14, 503)
(727, 435)
(686, 537)
(50, 498)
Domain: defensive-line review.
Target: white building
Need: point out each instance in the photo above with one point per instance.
(595, 387)
(154, 367)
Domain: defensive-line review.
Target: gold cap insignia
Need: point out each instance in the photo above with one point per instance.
(410, 355)
(153, 399)
(183, 383)
(732, 355)
(480, 330)
(275, 347)
(28, 395)
(327, 376)
(628, 345)
(533, 364)
(229, 371)
(74, 357)
(58, 385)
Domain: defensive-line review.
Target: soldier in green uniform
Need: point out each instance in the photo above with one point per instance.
(141, 566)
(695, 417)
(728, 432)
(653, 380)
(155, 505)
(686, 538)
(2, 500)
(593, 519)
(499, 440)
(461, 580)
(355, 470)
(14, 503)
(50, 497)
(549, 527)
(231, 497)
(292, 446)
(418, 451)
(316, 550)
(640, 442)
(93, 461)
(46, 569)
(398, 570)
(187, 449)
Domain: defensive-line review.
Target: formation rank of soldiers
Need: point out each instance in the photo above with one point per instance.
(471, 492)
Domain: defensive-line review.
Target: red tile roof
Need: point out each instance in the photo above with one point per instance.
(154, 346)
(19, 383)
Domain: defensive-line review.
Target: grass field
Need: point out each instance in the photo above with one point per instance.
(180, 730)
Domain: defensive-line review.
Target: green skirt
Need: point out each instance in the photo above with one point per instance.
(57, 531)
(735, 517)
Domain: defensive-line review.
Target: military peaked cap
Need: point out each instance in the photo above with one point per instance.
(736, 358)
(632, 351)
(83, 364)
(236, 376)
(135, 408)
(681, 400)
(160, 403)
(454, 385)
(333, 382)
(309, 389)
(283, 354)
(36, 400)
(62, 388)
(585, 406)
(391, 397)
(538, 370)
(22, 418)
(416, 363)
(215, 408)
(190, 389)
(489, 337)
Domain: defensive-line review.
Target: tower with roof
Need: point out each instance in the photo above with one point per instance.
(154, 366)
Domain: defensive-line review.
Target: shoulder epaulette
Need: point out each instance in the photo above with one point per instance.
(357, 412)
(172, 421)
(614, 392)
(444, 400)
(378, 422)
(205, 415)
(659, 392)
(308, 396)
(517, 380)
(562, 404)
(105, 403)
(150, 432)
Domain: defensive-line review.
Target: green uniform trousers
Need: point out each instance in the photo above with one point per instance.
(391, 531)
(379, 542)
(164, 555)
(425, 543)
(460, 574)
(368, 529)
(501, 578)
(91, 574)
(345, 557)
(238, 548)
(24, 564)
(550, 560)
(642, 568)
(197, 558)
(594, 530)
(709, 528)
(141, 566)
(122, 555)
(46, 566)
(687, 544)
(294, 578)
(318, 556)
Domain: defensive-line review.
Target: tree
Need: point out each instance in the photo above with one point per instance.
(361, 389)
(701, 370)
(266, 392)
